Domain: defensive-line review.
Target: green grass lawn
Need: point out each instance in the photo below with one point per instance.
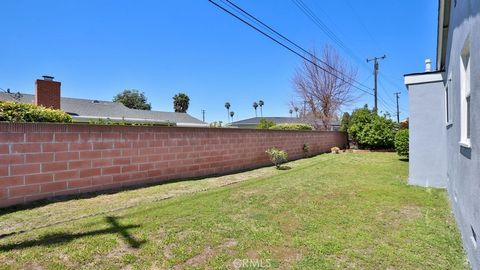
(328, 212)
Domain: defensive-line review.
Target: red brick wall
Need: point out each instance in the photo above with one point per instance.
(45, 160)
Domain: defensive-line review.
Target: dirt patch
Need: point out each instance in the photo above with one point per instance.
(167, 251)
(207, 253)
(200, 258)
(410, 212)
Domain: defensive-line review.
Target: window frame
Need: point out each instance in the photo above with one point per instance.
(465, 93)
(448, 102)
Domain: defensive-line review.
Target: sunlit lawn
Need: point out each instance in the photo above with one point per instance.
(327, 212)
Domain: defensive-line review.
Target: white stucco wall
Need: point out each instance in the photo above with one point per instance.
(427, 138)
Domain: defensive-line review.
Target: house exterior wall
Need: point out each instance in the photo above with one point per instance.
(463, 170)
(427, 159)
(46, 160)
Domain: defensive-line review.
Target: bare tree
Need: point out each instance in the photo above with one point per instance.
(323, 87)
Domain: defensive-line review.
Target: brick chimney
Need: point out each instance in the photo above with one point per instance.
(47, 93)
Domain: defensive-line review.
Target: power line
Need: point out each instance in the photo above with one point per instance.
(320, 24)
(287, 47)
(312, 16)
(290, 41)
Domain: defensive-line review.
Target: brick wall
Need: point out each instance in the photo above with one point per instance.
(45, 160)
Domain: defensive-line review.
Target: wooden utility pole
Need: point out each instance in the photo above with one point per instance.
(375, 73)
(397, 94)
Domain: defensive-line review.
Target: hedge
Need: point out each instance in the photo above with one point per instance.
(24, 112)
(401, 142)
(293, 126)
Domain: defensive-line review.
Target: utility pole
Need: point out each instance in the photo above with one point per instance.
(375, 72)
(203, 115)
(397, 94)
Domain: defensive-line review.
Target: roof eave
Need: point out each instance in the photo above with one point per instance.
(442, 31)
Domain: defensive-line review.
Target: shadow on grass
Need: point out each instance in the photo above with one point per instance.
(403, 159)
(62, 238)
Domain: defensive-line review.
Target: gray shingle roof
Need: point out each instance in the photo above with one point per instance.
(94, 109)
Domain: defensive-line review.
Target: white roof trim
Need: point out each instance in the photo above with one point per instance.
(423, 78)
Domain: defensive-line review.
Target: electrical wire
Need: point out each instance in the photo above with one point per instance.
(287, 47)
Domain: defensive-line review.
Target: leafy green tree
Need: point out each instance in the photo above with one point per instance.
(181, 103)
(345, 122)
(265, 124)
(370, 130)
(133, 99)
(401, 142)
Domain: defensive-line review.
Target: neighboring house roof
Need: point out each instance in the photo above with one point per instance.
(276, 120)
(89, 109)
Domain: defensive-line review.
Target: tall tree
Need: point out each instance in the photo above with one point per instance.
(345, 121)
(290, 112)
(296, 110)
(255, 106)
(227, 106)
(261, 103)
(133, 99)
(181, 103)
(323, 87)
(232, 113)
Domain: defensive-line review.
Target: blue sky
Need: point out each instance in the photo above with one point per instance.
(98, 48)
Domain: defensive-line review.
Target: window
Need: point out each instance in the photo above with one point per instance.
(448, 103)
(465, 94)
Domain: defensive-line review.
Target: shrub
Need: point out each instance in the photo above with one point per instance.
(370, 130)
(122, 122)
(292, 126)
(277, 156)
(345, 122)
(216, 124)
(25, 112)
(306, 148)
(335, 150)
(265, 124)
(401, 142)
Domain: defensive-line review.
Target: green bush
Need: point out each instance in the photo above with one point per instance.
(345, 122)
(265, 124)
(401, 142)
(122, 122)
(25, 112)
(293, 126)
(277, 156)
(370, 130)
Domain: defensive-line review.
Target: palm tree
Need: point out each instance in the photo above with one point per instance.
(181, 102)
(255, 106)
(261, 103)
(296, 110)
(227, 105)
(290, 111)
(232, 113)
